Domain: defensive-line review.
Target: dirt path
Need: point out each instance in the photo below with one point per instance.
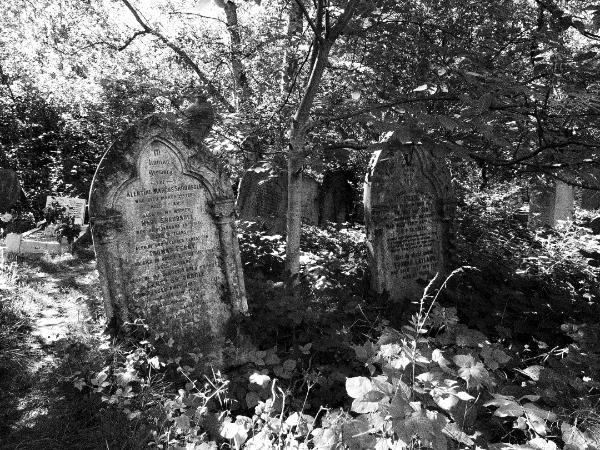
(57, 328)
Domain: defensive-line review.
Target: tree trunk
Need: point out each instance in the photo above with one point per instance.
(290, 63)
(243, 91)
(299, 127)
(296, 157)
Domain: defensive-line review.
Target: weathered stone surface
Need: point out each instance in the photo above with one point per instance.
(262, 197)
(75, 207)
(590, 199)
(13, 242)
(409, 209)
(549, 204)
(10, 189)
(310, 200)
(162, 221)
(336, 199)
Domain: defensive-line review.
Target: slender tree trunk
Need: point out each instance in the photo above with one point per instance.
(299, 128)
(243, 91)
(296, 158)
(290, 63)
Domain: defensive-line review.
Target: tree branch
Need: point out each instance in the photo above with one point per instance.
(379, 106)
(209, 86)
(309, 20)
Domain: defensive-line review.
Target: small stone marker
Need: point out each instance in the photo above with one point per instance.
(549, 204)
(10, 189)
(162, 221)
(336, 198)
(262, 197)
(13, 242)
(409, 208)
(75, 207)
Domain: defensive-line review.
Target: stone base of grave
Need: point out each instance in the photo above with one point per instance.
(31, 244)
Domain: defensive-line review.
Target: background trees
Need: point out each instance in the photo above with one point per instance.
(509, 87)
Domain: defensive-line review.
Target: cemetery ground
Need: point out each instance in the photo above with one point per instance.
(505, 356)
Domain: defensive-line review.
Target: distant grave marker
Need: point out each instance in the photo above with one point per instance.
(549, 204)
(409, 208)
(162, 220)
(590, 199)
(74, 207)
(262, 197)
(336, 198)
(10, 189)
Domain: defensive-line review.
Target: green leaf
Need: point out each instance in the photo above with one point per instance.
(363, 407)
(357, 387)
(472, 371)
(573, 436)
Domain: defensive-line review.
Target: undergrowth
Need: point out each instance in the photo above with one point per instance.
(504, 356)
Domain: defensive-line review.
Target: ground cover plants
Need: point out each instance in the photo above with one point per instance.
(505, 355)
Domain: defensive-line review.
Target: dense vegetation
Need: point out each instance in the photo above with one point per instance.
(504, 356)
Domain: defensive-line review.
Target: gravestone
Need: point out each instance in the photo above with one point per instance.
(590, 199)
(336, 199)
(262, 197)
(549, 204)
(310, 200)
(162, 221)
(409, 209)
(74, 207)
(10, 190)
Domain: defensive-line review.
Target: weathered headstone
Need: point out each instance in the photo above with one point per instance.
(310, 200)
(74, 207)
(409, 208)
(262, 197)
(10, 189)
(162, 221)
(336, 198)
(590, 199)
(549, 204)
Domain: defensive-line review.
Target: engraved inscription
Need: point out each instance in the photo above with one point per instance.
(172, 251)
(409, 238)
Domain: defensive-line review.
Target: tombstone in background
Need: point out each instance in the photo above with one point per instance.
(74, 207)
(310, 200)
(336, 199)
(590, 199)
(262, 197)
(409, 209)
(162, 221)
(10, 190)
(549, 204)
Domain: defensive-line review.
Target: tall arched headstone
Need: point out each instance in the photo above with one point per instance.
(336, 199)
(409, 209)
(162, 221)
(262, 197)
(550, 203)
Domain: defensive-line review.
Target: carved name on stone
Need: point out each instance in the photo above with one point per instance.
(409, 208)
(161, 213)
